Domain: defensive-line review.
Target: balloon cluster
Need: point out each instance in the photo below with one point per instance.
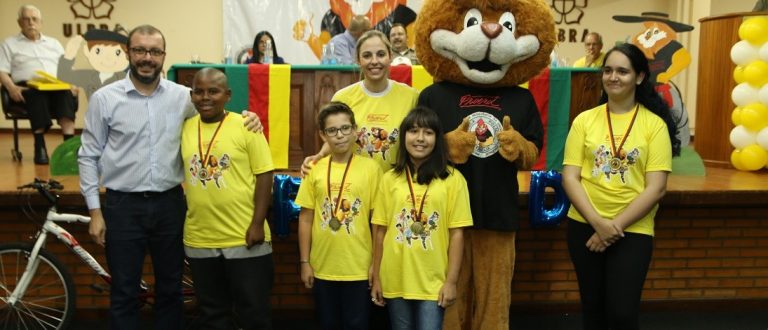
(538, 213)
(750, 136)
(284, 209)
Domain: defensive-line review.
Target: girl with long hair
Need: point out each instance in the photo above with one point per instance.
(419, 215)
(617, 159)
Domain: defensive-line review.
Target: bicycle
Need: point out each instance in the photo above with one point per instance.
(36, 290)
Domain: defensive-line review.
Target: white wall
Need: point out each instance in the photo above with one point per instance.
(197, 28)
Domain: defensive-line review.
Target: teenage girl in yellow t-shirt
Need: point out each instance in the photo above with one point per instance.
(617, 158)
(419, 215)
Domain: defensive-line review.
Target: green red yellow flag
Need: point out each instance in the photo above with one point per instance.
(269, 88)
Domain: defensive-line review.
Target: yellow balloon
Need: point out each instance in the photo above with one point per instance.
(754, 116)
(754, 30)
(753, 157)
(736, 116)
(736, 160)
(756, 73)
(738, 74)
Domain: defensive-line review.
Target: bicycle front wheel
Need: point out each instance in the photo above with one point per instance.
(49, 301)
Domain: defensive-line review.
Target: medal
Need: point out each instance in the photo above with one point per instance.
(417, 227)
(614, 163)
(617, 153)
(203, 174)
(335, 223)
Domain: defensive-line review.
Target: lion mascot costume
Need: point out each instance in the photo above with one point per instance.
(478, 52)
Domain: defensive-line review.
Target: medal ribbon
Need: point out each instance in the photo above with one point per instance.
(204, 160)
(413, 195)
(626, 134)
(341, 188)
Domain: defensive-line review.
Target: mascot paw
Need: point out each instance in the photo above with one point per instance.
(510, 141)
(460, 143)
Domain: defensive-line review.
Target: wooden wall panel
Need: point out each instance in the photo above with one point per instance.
(713, 96)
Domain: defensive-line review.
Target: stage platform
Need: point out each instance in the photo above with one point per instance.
(711, 246)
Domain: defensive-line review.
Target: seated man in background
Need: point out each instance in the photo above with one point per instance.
(20, 56)
(402, 54)
(345, 43)
(593, 44)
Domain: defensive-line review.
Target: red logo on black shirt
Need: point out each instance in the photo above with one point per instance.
(467, 101)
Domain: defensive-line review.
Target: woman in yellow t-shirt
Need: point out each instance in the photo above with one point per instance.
(617, 158)
(418, 216)
(379, 103)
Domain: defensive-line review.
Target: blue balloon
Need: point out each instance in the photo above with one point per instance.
(285, 188)
(538, 213)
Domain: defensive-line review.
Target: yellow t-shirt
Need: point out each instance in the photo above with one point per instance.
(414, 264)
(378, 116)
(343, 254)
(582, 62)
(220, 197)
(611, 188)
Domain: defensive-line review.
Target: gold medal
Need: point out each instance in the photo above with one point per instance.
(417, 228)
(334, 223)
(615, 163)
(617, 152)
(204, 158)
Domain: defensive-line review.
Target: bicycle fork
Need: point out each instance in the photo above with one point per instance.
(30, 270)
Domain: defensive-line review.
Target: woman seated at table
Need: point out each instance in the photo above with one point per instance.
(259, 45)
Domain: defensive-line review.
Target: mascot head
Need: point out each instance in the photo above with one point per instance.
(485, 43)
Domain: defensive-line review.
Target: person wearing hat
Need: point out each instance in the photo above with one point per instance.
(106, 52)
(593, 44)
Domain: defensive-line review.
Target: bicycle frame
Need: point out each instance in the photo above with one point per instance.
(65, 237)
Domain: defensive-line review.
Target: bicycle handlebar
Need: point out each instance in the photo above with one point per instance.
(44, 188)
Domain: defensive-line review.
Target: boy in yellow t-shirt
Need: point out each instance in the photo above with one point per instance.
(228, 180)
(336, 200)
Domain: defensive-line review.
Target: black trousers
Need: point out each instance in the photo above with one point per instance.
(342, 305)
(611, 282)
(43, 105)
(137, 222)
(242, 286)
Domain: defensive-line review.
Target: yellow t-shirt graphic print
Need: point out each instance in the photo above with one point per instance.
(613, 180)
(414, 261)
(220, 192)
(341, 237)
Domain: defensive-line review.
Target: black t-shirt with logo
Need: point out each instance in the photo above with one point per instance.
(492, 180)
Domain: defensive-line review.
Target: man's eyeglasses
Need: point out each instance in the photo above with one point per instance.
(141, 52)
(333, 131)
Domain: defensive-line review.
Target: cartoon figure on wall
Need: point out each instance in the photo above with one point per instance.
(666, 58)
(105, 53)
(382, 14)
